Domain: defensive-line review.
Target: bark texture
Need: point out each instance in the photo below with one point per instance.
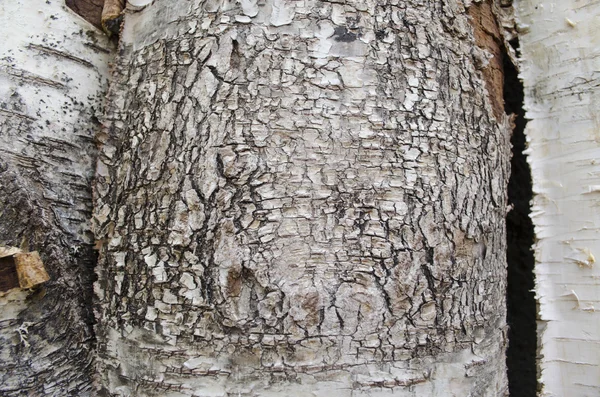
(52, 71)
(303, 198)
(561, 75)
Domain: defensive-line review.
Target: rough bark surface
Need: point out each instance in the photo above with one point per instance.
(52, 70)
(561, 76)
(303, 198)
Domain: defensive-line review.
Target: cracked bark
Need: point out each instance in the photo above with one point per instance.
(303, 198)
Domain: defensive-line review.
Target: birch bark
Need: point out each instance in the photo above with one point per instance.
(53, 67)
(301, 198)
(560, 70)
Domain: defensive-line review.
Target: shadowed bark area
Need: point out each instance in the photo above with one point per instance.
(303, 197)
(90, 10)
(8, 274)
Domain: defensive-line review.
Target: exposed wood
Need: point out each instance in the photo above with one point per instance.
(30, 269)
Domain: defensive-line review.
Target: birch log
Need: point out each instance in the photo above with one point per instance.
(53, 67)
(301, 198)
(560, 69)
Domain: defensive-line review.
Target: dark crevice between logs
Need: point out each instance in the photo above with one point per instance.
(521, 316)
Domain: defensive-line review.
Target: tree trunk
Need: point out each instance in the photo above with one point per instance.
(52, 71)
(560, 71)
(303, 198)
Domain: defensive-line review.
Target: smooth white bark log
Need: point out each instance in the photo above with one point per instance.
(560, 43)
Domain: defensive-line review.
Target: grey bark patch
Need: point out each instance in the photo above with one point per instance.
(341, 33)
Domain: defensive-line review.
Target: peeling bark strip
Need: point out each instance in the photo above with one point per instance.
(560, 70)
(301, 198)
(51, 77)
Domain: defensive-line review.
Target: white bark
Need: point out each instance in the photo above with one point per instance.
(53, 71)
(560, 69)
(53, 68)
(301, 198)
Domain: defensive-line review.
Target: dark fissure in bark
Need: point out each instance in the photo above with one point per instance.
(521, 316)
